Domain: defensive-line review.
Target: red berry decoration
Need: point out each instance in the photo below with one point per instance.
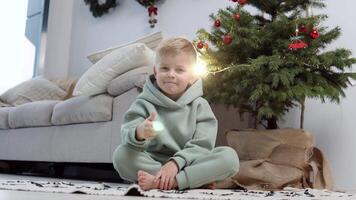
(217, 23)
(242, 2)
(314, 34)
(237, 17)
(227, 39)
(303, 29)
(200, 45)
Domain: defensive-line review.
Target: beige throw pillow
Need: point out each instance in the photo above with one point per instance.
(96, 79)
(151, 42)
(35, 89)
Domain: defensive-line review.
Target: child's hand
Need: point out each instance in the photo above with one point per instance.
(145, 130)
(167, 175)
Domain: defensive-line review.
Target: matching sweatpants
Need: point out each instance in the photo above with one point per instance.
(219, 164)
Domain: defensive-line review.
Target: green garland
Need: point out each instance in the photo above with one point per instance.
(99, 9)
(147, 3)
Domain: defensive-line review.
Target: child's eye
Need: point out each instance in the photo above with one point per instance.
(164, 68)
(180, 70)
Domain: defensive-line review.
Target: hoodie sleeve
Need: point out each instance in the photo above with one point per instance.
(136, 114)
(204, 137)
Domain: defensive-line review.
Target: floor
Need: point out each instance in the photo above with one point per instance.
(17, 195)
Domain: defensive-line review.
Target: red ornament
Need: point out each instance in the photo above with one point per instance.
(303, 29)
(217, 23)
(242, 2)
(237, 17)
(227, 39)
(314, 34)
(200, 45)
(298, 44)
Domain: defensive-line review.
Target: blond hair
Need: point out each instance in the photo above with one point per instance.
(175, 46)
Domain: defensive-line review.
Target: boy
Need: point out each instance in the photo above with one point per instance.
(169, 132)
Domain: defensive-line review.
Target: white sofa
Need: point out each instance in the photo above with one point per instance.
(83, 129)
(91, 142)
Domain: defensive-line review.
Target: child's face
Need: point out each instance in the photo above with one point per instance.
(174, 74)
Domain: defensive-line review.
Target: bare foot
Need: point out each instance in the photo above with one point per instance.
(210, 186)
(145, 181)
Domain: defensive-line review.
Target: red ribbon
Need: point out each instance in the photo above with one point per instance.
(152, 9)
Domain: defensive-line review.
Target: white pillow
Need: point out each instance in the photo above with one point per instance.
(151, 41)
(129, 80)
(96, 79)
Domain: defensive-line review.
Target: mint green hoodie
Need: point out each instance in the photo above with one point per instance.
(189, 125)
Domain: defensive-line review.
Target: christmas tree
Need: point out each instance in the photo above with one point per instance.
(269, 62)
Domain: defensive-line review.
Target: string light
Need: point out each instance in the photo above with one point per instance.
(200, 68)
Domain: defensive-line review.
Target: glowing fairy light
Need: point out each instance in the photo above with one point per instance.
(200, 68)
(157, 126)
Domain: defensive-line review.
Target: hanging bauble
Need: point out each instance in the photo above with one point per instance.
(200, 45)
(314, 34)
(237, 16)
(303, 29)
(242, 2)
(227, 39)
(217, 23)
(297, 44)
(152, 13)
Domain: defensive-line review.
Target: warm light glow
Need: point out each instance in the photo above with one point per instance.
(200, 68)
(158, 126)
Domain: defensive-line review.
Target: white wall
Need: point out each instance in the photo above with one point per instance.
(334, 125)
(129, 21)
(331, 124)
(58, 38)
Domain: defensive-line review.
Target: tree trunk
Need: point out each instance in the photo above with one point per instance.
(272, 123)
(302, 108)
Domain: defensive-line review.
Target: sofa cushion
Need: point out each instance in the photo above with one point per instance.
(128, 80)
(151, 41)
(83, 109)
(35, 89)
(4, 117)
(96, 79)
(32, 114)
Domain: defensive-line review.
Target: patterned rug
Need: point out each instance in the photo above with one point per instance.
(134, 190)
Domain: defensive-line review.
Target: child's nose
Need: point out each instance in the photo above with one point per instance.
(171, 73)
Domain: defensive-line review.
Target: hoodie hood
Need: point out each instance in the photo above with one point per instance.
(153, 94)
